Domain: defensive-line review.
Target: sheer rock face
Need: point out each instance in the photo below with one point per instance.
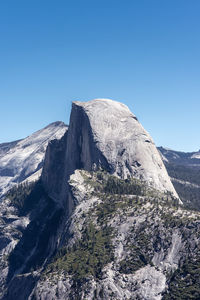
(105, 134)
(53, 170)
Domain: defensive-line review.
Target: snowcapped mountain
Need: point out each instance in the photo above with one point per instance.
(23, 159)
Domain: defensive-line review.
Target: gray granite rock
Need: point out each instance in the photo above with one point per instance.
(108, 135)
(23, 160)
(103, 134)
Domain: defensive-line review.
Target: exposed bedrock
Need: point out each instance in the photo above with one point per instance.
(103, 134)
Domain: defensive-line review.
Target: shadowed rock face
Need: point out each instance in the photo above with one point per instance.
(105, 134)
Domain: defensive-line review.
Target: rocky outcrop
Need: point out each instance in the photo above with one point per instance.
(53, 175)
(103, 222)
(105, 134)
(120, 143)
(123, 246)
(21, 163)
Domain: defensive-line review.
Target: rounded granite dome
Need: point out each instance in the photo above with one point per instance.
(110, 136)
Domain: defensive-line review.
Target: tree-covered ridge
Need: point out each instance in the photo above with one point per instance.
(186, 181)
(184, 173)
(185, 281)
(25, 196)
(43, 216)
(184, 170)
(153, 220)
(86, 257)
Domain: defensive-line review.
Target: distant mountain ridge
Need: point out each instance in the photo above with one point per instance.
(184, 170)
(181, 158)
(23, 159)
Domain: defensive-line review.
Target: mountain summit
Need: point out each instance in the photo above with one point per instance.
(102, 222)
(119, 142)
(104, 134)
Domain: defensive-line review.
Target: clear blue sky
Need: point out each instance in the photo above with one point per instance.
(145, 53)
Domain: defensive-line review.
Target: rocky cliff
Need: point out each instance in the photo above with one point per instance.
(104, 221)
(22, 199)
(125, 241)
(104, 134)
